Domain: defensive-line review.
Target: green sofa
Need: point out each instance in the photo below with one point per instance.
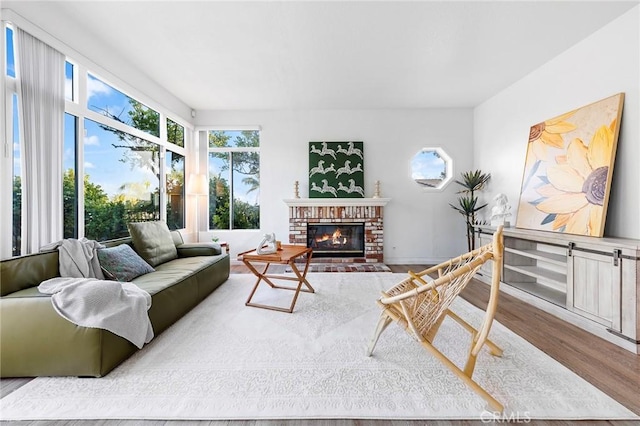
(36, 341)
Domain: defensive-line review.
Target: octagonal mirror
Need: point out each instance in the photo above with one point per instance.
(432, 168)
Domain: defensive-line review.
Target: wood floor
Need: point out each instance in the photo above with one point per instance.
(611, 369)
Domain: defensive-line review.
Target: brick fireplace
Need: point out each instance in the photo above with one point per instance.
(369, 211)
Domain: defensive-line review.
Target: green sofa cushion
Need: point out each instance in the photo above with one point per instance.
(153, 241)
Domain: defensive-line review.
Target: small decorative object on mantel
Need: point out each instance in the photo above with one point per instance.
(501, 211)
(568, 170)
(376, 193)
(267, 245)
(296, 190)
(336, 170)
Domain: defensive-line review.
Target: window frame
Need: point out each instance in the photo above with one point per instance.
(9, 89)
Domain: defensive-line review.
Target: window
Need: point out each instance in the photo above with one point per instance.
(69, 177)
(432, 168)
(175, 133)
(175, 190)
(234, 179)
(10, 56)
(69, 80)
(17, 182)
(110, 102)
(121, 181)
(13, 136)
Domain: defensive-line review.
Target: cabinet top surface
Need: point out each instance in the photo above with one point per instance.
(564, 239)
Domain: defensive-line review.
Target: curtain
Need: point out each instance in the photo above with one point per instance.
(41, 87)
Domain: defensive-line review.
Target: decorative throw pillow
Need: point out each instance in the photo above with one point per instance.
(153, 241)
(121, 263)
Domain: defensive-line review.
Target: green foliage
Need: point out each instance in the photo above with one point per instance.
(175, 133)
(144, 118)
(245, 215)
(105, 219)
(17, 216)
(175, 198)
(467, 203)
(69, 204)
(473, 181)
(218, 203)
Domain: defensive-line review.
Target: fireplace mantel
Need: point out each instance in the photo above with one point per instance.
(328, 202)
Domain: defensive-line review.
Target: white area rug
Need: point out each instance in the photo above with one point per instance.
(227, 361)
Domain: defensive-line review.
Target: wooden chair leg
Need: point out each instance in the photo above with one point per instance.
(494, 349)
(384, 321)
(493, 403)
(470, 365)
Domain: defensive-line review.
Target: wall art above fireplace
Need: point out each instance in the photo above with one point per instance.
(336, 170)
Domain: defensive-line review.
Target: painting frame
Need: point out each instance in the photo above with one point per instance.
(568, 170)
(336, 169)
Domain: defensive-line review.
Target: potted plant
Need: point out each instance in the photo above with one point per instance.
(468, 202)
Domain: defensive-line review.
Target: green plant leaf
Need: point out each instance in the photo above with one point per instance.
(473, 181)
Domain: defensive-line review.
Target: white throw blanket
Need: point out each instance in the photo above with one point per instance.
(78, 258)
(118, 307)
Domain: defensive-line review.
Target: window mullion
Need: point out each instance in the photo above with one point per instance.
(80, 135)
(6, 159)
(162, 185)
(231, 200)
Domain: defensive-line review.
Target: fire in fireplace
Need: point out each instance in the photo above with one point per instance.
(336, 239)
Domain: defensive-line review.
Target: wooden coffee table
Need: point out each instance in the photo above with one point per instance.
(284, 256)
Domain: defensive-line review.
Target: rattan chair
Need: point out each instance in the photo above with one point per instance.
(420, 303)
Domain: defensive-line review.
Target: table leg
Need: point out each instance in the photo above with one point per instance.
(300, 278)
(260, 276)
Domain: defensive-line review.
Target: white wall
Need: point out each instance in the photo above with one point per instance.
(606, 63)
(420, 227)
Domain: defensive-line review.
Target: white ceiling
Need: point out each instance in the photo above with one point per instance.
(325, 55)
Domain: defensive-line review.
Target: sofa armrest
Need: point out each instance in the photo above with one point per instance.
(198, 249)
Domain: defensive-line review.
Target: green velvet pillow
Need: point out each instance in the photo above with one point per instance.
(153, 241)
(121, 263)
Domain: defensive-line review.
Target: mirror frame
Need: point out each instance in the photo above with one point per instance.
(448, 169)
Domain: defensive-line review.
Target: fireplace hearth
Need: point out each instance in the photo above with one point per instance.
(336, 239)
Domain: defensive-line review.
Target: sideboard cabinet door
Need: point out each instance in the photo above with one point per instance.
(594, 287)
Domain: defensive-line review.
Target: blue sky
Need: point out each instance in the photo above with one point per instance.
(427, 165)
(102, 162)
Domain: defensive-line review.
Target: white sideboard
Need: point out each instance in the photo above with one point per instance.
(590, 282)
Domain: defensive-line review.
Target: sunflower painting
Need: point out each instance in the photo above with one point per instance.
(567, 176)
